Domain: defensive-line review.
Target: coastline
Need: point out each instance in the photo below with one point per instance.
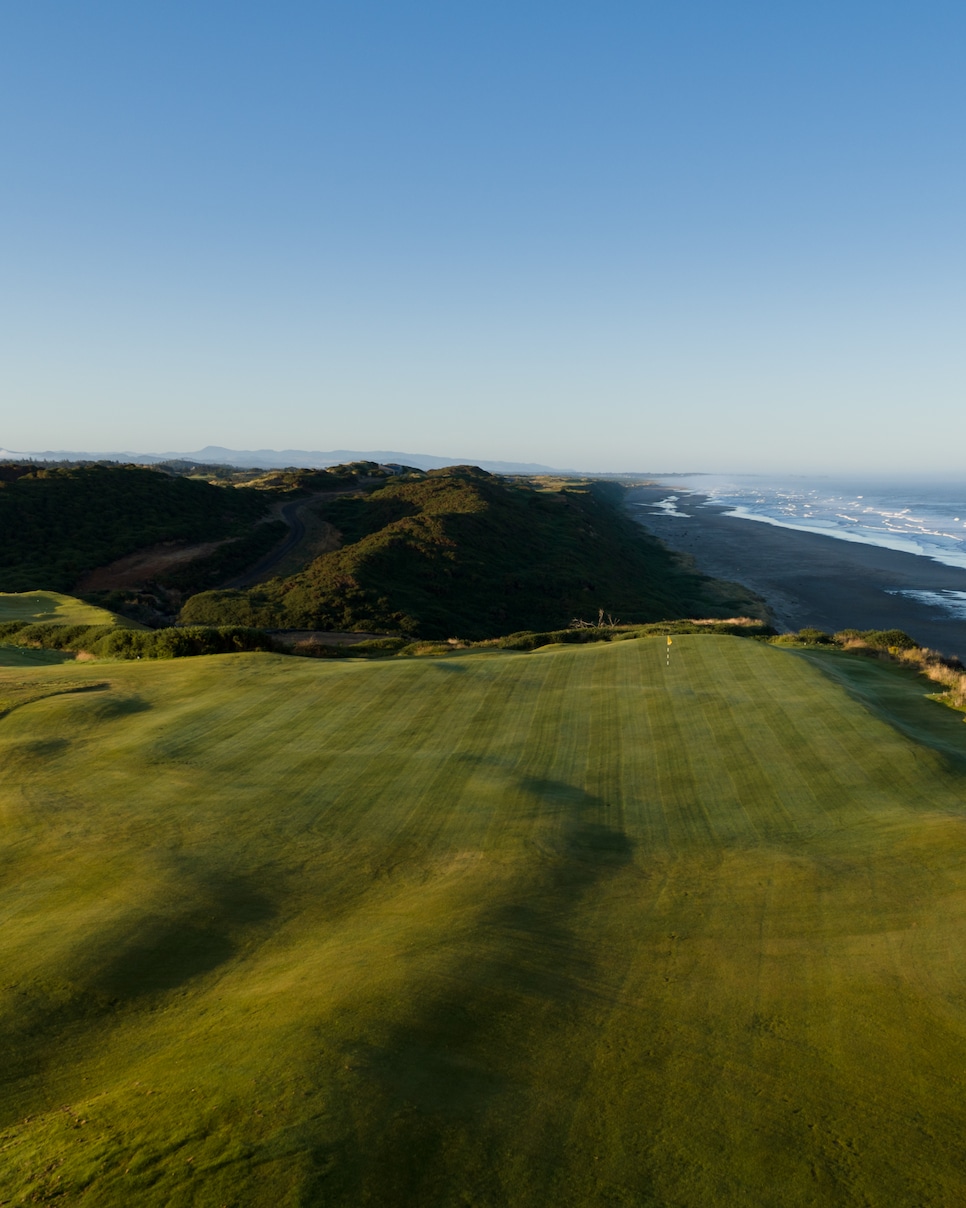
(808, 579)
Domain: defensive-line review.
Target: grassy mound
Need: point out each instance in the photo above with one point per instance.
(462, 553)
(949, 673)
(50, 607)
(34, 623)
(44, 627)
(571, 927)
(386, 647)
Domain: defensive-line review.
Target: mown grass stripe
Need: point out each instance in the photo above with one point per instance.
(562, 927)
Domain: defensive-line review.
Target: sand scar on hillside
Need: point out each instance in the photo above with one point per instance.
(134, 570)
(308, 536)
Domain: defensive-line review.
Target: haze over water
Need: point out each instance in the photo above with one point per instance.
(924, 518)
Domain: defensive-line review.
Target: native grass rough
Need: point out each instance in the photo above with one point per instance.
(565, 927)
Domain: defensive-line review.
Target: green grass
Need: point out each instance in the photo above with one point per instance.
(47, 607)
(51, 611)
(899, 694)
(52, 606)
(19, 656)
(559, 928)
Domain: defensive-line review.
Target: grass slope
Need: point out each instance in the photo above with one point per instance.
(462, 553)
(53, 611)
(51, 606)
(561, 928)
(18, 656)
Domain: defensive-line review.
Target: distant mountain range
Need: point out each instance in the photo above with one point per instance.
(270, 459)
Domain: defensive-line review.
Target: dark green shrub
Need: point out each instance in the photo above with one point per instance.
(125, 644)
(109, 642)
(884, 639)
(815, 637)
(329, 650)
(51, 636)
(56, 523)
(379, 646)
(239, 608)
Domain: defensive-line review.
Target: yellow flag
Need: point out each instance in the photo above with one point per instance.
(669, 641)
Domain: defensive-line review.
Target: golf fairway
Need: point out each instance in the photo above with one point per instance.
(567, 928)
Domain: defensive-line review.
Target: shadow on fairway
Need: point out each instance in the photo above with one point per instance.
(32, 698)
(899, 696)
(469, 1053)
(164, 953)
(28, 753)
(144, 955)
(119, 706)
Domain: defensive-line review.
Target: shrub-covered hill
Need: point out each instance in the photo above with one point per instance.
(57, 523)
(461, 552)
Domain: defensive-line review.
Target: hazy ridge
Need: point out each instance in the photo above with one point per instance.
(270, 459)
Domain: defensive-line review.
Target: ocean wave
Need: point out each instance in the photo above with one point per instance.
(953, 602)
(924, 519)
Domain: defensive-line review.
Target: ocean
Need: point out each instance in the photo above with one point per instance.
(917, 517)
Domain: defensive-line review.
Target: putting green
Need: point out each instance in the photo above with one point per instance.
(564, 928)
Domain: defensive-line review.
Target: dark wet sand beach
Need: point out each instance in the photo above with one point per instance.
(808, 579)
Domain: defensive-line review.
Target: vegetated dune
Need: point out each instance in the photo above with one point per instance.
(572, 927)
(462, 553)
(448, 553)
(138, 540)
(57, 524)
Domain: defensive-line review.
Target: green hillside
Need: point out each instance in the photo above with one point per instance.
(55, 608)
(57, 523)
(570, 927)
(45, 627)
(26, 617)
(459, 552)
(449, 553)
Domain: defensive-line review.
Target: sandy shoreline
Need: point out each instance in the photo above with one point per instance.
(808, 579)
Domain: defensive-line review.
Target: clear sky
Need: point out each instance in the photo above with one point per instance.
(623, 235)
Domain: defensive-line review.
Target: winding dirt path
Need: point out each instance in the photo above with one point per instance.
(140, 567)
(292, 514)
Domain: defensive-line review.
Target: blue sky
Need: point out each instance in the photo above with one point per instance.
(701, 236)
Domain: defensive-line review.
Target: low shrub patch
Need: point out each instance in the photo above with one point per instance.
(109, 641)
